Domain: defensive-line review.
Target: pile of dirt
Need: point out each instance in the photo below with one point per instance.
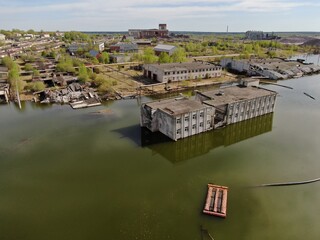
(297, 40)
(313, 42)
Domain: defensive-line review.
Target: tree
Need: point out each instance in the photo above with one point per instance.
(164, 58)
(36, 86)
(149, 56)
(104, 57)
(8, 62)
(179, 55)
(14, 78)
(83, 75)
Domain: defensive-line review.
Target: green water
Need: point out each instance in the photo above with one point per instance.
(68, 174)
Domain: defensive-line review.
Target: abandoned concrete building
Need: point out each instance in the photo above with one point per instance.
(270, 68)
(238, 103)
(162, 32)
(163, 48)
(180, 118)
(4, 93)
(171, 72)
(177, 118)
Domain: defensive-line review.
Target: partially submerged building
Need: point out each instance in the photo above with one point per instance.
(177, 118)
(238, 103)
(180, 117)
(172, 72)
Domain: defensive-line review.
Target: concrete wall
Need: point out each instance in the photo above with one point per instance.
(177, 127)
(244, 110)
(181, 75)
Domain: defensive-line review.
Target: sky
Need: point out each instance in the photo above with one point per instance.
(180, 15)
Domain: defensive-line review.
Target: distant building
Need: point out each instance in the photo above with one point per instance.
(74, 47)
(2, 37)
(260, 35)
(160, 48)
(238, 103)
(100, 46)
(162, 32)
(177, 118)
(119, 58)
(124, 47)
(171, 72)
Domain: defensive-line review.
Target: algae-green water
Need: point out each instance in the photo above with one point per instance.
(85, 174)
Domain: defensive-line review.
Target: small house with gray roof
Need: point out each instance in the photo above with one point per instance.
(160, 48)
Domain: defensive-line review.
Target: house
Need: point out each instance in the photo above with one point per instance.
(119, 58)
(170, 72)
(2, 37)
(124, 47)
(94, 53)
(100, 46)
(177, 118)
(161, 32)
(74, 47)
(169, 49)
(238, 103)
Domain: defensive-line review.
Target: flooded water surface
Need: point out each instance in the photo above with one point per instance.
(94, 174)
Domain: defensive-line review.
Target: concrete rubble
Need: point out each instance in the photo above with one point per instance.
(75, 94)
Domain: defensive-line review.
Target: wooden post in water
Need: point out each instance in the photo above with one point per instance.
(18, 97)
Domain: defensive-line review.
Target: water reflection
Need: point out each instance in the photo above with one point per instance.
(201, 144)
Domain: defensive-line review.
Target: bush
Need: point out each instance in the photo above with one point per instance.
(36, 86)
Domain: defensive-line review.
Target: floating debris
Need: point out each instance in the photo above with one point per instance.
(216, 202)
(289, 183)
(308, 95)
(205, 234)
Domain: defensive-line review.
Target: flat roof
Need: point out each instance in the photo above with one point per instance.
(234, 94)
(177, 106)
(164, 47)
(181, 66)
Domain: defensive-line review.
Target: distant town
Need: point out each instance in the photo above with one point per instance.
(83, 69)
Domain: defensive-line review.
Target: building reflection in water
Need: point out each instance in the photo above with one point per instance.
(201, 144)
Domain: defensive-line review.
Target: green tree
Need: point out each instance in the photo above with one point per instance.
(36, 86)
(164, 58)
(83, 75)
(14, 78)
(179, 55)
(8, 62)
(104, 58)
(149, 56)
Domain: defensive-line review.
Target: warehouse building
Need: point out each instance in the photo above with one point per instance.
(161, 32)
(171, 72)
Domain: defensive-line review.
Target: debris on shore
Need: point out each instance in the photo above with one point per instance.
(75, 94)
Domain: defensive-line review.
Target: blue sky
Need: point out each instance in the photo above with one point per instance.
(184, 15)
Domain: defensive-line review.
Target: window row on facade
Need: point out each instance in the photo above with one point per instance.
(192, 71)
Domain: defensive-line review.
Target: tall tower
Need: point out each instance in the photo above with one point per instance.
(162, 26)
